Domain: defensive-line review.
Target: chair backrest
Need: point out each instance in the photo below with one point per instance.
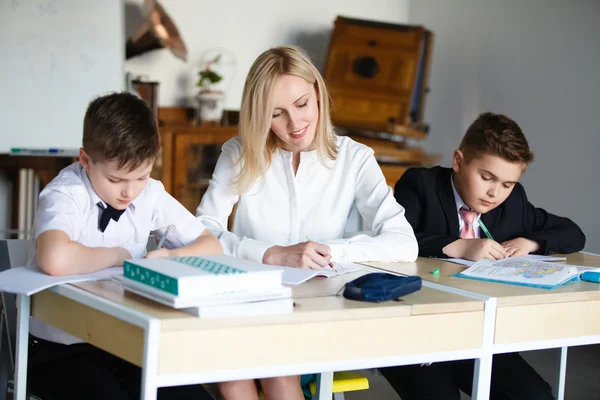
(151, 244)
(6, 370)
(13, 253)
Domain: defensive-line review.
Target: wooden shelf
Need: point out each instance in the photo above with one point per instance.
(194, 186)
(188, 161)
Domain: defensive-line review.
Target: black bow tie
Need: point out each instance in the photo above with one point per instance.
(107, 214)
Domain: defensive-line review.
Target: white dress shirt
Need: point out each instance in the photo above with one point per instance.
(285, 209)
(460, 204)
(70, 204)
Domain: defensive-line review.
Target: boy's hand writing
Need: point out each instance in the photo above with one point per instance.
(302, 255)
(159, 253)
(520, 247)
(475, 249)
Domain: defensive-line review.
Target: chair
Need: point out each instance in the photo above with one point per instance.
(342, 382)
(12, 253)
(345, 382)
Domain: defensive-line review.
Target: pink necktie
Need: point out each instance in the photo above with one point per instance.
(468, 217)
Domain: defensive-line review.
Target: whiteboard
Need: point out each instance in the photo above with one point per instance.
(56, 56)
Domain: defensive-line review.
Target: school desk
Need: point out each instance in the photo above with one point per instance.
(325, 333)
(526, 318)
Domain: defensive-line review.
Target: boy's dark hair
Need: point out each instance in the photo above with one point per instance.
(498, 135)
(120, 126)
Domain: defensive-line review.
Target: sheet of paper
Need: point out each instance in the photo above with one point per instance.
(31, 279)
(340, 269)
(583, 268)
(530, 257)
(296, 276)
(460, 261)
(537, 257)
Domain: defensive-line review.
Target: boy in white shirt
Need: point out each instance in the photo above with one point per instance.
(95, 214)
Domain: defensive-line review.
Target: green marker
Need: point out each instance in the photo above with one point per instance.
(436, 272)
(485, 230)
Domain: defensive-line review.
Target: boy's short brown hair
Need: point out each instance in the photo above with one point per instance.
(122, 127)
(498, 135)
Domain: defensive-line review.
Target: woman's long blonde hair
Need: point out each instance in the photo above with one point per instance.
(258, 141)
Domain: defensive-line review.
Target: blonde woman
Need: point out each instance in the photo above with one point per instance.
(293, 178)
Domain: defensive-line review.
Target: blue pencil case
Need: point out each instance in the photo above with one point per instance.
(377, 287)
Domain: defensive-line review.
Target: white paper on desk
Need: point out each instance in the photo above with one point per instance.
(31, 279)
(460, 261)
(296, 276)
(530, 257)
(537, 257)
(583, 268)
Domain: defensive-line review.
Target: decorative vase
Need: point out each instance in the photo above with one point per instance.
(210, 106)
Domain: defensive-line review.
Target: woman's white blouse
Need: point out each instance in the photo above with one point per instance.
(283, 209)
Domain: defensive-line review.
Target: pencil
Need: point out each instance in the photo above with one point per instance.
(162, 239)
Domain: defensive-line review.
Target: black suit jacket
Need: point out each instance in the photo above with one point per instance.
(427, 196)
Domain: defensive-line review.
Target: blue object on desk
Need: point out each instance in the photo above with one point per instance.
(590, 276)
(379, 286)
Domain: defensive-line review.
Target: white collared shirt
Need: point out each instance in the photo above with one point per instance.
(70, 204)
(285, 209)
(460, 204)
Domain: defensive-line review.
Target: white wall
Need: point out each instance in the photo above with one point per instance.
(536, 61)
(55, 58)
(246, 28)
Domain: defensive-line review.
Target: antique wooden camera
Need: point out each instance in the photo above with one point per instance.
(377, 74)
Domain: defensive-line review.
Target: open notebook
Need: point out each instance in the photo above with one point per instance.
(296, 276)
(521, 271)
(529, 257)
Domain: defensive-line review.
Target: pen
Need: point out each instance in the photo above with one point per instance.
(485, 230)
(330, 264)
(162, 239)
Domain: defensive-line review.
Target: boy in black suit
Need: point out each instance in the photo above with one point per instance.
(450, 211)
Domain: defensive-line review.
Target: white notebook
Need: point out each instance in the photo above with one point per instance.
(162, 297)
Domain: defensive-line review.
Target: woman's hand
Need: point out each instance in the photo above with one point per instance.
(302, 255)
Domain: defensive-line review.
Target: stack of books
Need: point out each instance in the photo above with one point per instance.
(210, 286)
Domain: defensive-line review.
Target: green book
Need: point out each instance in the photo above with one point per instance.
(206, 276)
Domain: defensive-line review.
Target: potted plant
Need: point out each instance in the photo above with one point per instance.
(210, 101)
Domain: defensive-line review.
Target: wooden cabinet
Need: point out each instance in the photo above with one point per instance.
(189, 155)
(24, 188)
